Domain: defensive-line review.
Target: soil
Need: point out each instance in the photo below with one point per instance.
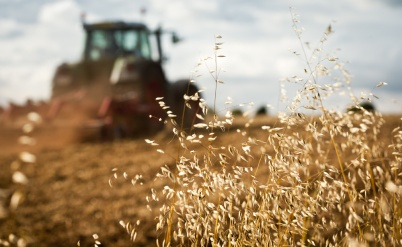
(77, 190)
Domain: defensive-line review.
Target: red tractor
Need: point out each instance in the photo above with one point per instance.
(113, 88)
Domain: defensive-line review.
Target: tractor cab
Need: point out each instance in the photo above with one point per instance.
(116, 39)
(115, 54)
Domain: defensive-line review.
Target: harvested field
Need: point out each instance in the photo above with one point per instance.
(68, 197)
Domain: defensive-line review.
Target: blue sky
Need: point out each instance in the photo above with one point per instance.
(37, 35)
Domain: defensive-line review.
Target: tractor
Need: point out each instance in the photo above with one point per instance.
(113, 89)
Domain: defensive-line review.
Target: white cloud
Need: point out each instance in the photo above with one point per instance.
(10, 29)
(59, 13)
(30, 57)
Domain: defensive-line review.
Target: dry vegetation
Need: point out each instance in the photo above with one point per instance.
(68, 197)
(325, 178)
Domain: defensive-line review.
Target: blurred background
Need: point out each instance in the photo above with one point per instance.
(259, 44)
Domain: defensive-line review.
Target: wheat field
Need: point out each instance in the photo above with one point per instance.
(310, 176)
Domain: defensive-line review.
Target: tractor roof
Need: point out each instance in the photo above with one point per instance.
(112, 25)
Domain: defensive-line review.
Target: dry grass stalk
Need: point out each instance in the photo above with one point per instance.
(324, 179)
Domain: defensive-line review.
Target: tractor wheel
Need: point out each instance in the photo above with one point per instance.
(177, 103)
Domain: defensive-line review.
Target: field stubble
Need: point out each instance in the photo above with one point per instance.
(68, 197)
